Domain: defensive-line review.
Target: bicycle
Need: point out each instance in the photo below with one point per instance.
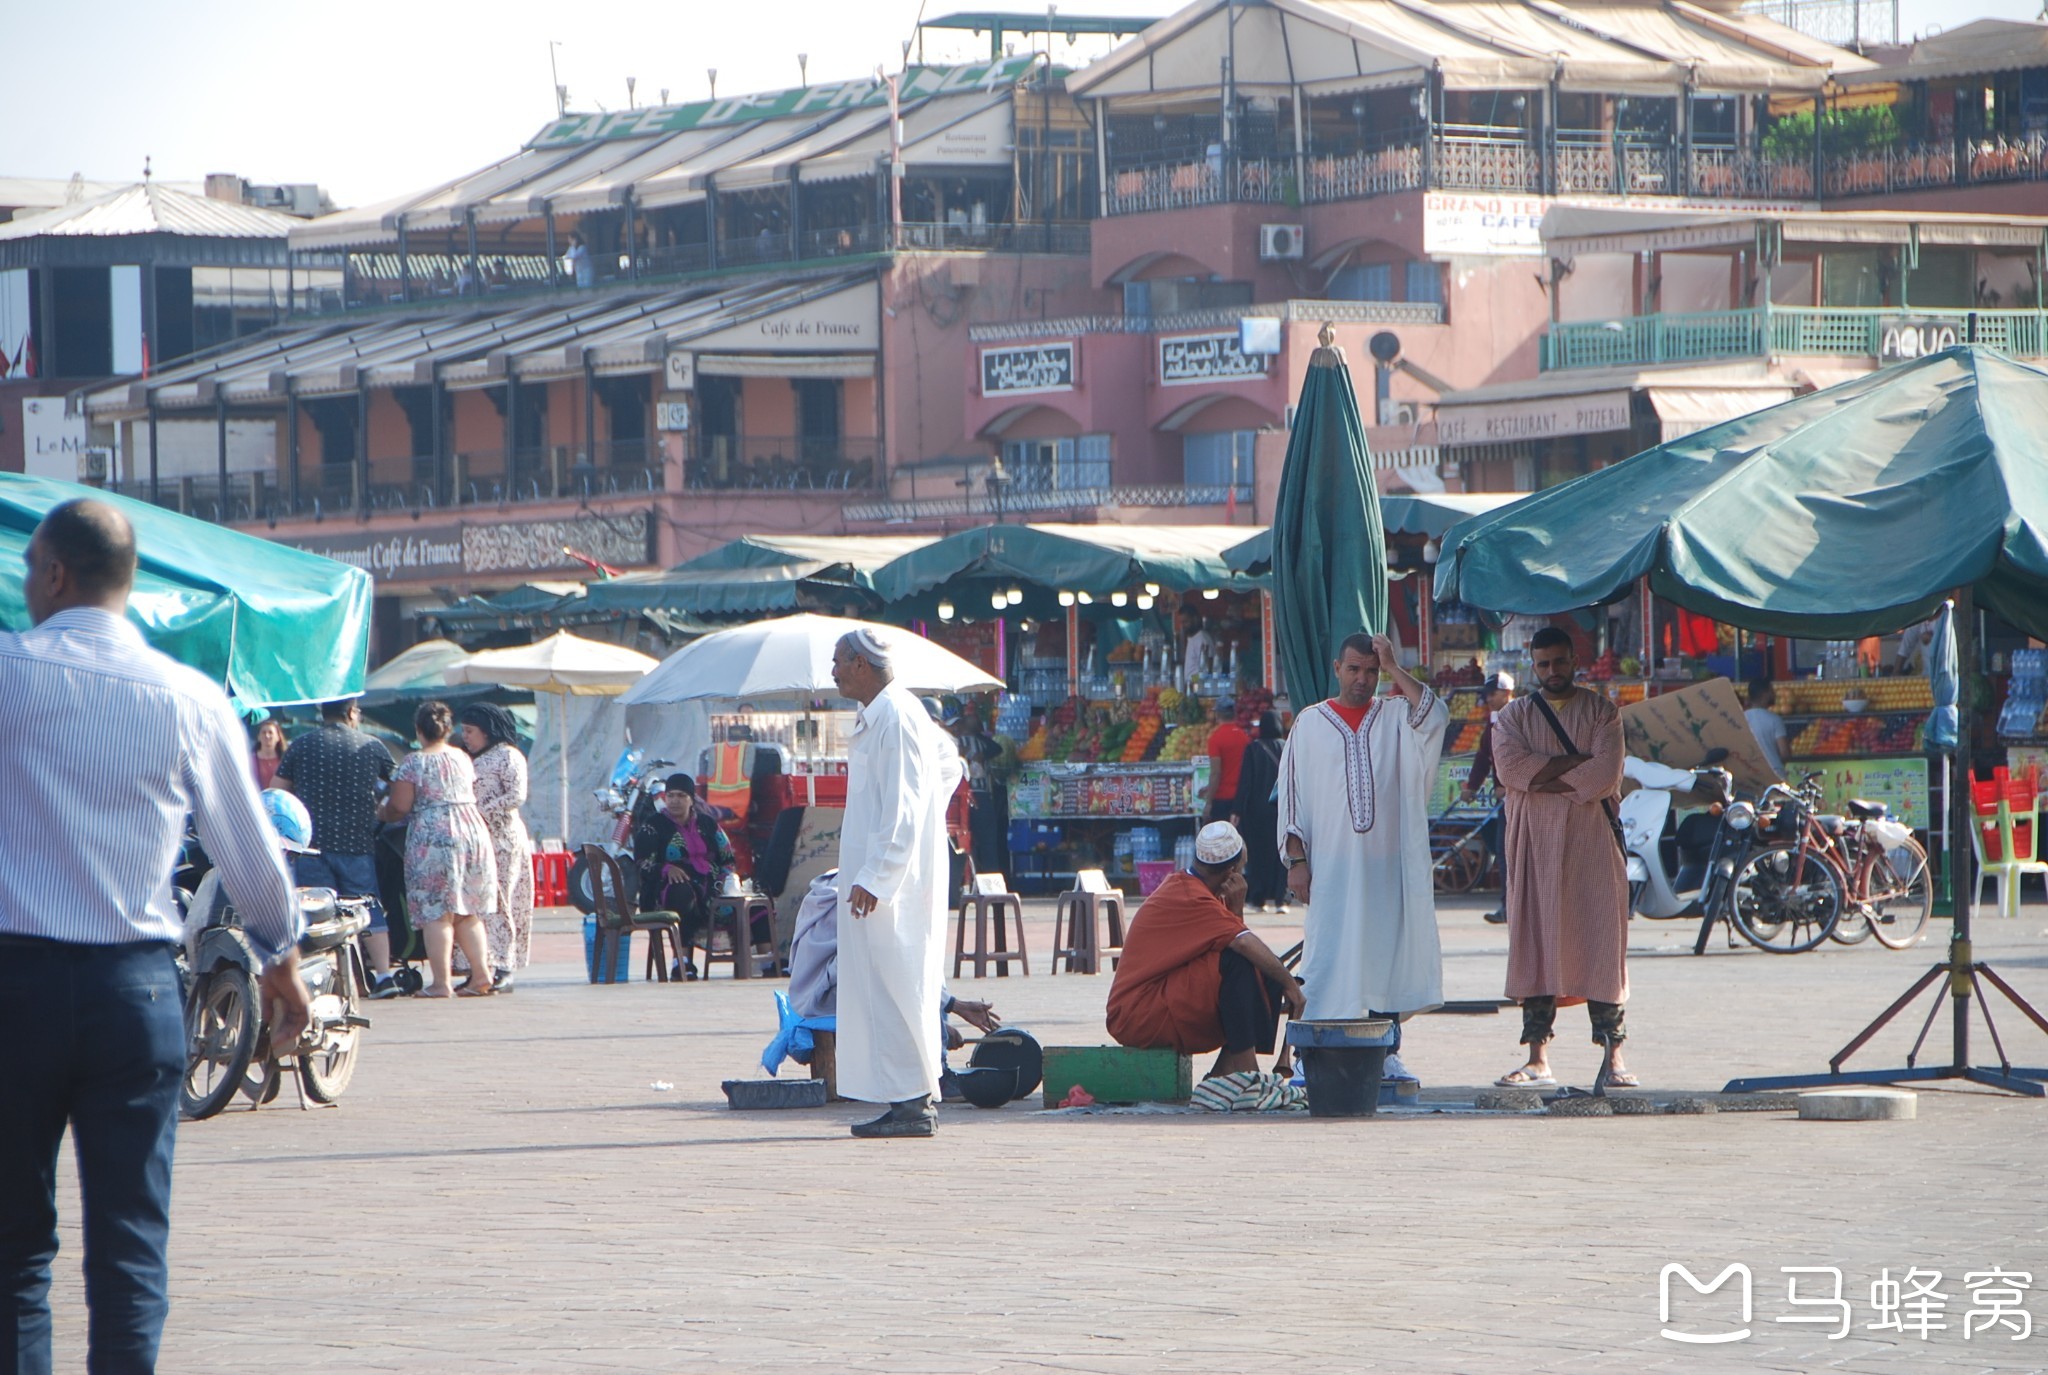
(1789, 893)
(1885, 871)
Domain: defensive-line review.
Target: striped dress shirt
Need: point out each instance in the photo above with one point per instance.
(106, 745)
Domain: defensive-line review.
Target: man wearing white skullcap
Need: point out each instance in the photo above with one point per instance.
(901, 772)
(1192, 978)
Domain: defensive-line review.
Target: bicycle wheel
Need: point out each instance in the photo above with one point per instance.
(1900, 894)
(1784, 902)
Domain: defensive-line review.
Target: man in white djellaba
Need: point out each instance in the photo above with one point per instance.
(1354, 832)
(893, 869)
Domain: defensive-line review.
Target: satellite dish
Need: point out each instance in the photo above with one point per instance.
(1385, 346)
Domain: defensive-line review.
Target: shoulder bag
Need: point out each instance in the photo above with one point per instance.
(1570, 747)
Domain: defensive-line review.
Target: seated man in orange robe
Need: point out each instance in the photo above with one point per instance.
(1192, 978)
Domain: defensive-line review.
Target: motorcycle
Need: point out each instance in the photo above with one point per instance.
(228, 1042)
(1689, 867)
(631, 797)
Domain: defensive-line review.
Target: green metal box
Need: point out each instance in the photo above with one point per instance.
(1118, 1074)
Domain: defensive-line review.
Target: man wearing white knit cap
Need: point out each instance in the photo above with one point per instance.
(1191, 978)
(901, 772)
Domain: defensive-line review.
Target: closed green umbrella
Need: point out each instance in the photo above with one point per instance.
(1329, 548)
(1848, 512)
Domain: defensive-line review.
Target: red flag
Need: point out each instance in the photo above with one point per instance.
(6, 363)
(603, 570)
(26, 359)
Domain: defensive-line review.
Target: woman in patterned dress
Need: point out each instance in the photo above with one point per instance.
(451, 871)
(490, 736)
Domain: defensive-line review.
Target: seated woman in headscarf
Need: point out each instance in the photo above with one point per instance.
(684, 860)
(1192, 977)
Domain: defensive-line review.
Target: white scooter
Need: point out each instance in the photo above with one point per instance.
(1684, 868)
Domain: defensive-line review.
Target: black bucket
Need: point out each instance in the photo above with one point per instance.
(1343, 1082)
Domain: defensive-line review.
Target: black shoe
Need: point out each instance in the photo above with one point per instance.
(912, 1117)
(501, 981)
(1498, 916)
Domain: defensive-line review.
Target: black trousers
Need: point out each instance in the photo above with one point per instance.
(1265, 881)
(1249, 1006)
(1539, 1016)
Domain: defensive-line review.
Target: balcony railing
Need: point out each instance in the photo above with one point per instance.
(787, 463)
(1700, 336)
(1368, 172)
(1916, 166)
(1223, 317)
(1471, 162)
(1734, 173)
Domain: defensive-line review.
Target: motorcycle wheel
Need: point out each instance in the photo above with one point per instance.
(325, 1073)
(580, 886)
(1775, 914)
(220, 1036)
(1901, 896)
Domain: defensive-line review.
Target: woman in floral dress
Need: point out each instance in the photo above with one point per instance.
(491, 738)
(451, 871)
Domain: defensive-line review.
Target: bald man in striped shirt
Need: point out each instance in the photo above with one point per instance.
(106, 746)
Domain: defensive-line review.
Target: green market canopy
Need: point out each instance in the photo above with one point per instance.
(1426, 514)
(1096, 559)
(271, 624)
(746, 591)
(1844, 513)
(865, 553)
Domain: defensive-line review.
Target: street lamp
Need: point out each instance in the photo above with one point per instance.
(998, 482)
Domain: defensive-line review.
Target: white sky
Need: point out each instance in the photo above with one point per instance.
(373, 98)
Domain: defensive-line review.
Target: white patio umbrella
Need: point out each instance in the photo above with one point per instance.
(562, 665)
(790, 661)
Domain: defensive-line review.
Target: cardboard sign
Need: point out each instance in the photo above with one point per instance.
(1681, 728)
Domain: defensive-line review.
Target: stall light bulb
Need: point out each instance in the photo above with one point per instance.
(945, 611)
(1144, 601)
(1117, 599)
(1210, 594)
(1066, 599)
(999, 600)
(1084, 599)
(1016, 596)
(1151, 589)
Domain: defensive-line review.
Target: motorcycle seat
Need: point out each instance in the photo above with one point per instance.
(1832, 825)
(329, 922)
(1867, 811)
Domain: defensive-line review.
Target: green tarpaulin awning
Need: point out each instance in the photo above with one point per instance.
(774, 589)
(1429, 515)
(1844, 513)
(272, 625)
(865, 553)
(1096, 559)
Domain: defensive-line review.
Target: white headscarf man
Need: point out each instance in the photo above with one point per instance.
(901, 772)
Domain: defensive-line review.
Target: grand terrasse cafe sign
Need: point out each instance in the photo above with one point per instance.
(426, 552)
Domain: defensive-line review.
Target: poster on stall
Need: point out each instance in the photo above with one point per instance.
(1900, 784)
(1681, 728)
(1451, 773)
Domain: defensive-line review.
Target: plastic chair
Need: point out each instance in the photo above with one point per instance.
(2018, 839)
(990, 896)
(617, 918)
(1076, 924)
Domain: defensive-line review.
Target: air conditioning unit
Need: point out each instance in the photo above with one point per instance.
(1398, 413)
(1281, 243)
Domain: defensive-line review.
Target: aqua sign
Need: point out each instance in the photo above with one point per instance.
(918, 83)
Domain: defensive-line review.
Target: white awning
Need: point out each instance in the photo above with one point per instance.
(786, 365)
(1684, 410)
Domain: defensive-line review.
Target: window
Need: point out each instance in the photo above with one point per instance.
(1170, 295)
(1426, 283)
(1220, 459)
(1057, 465)
(1363, 282)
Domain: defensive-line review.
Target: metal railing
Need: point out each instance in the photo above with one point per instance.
(1367, 172)
(1472, 163)
(1222, 317)
(1698, 336)
(1053, 499)
(798, 463)
(1736, 173)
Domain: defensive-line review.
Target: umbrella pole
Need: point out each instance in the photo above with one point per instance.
(562, 759)
(1961, 971)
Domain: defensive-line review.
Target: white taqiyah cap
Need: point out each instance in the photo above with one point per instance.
(1218, 843)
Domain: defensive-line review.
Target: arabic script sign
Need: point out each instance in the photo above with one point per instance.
(1206, 358)
(1018, 371)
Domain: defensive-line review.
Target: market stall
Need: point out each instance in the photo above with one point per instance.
(1113, 642)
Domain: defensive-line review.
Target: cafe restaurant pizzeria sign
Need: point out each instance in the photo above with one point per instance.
(815, 101)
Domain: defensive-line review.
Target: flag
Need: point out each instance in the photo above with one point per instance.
(25, 358)
(6, 364)
(603, 570)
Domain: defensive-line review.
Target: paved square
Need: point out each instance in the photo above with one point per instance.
(503, 1189)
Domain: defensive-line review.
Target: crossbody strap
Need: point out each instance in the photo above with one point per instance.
(1571, 747)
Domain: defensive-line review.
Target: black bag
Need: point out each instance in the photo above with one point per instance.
(1570, 747)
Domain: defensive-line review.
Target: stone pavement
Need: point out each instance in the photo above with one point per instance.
(504, 1189)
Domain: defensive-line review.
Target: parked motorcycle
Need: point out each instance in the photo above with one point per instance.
(228, 1042)
(631, 797)
(1689, 867)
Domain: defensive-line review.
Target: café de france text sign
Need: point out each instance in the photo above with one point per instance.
(422, 552)
(1030, 368)
(1190, 358)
